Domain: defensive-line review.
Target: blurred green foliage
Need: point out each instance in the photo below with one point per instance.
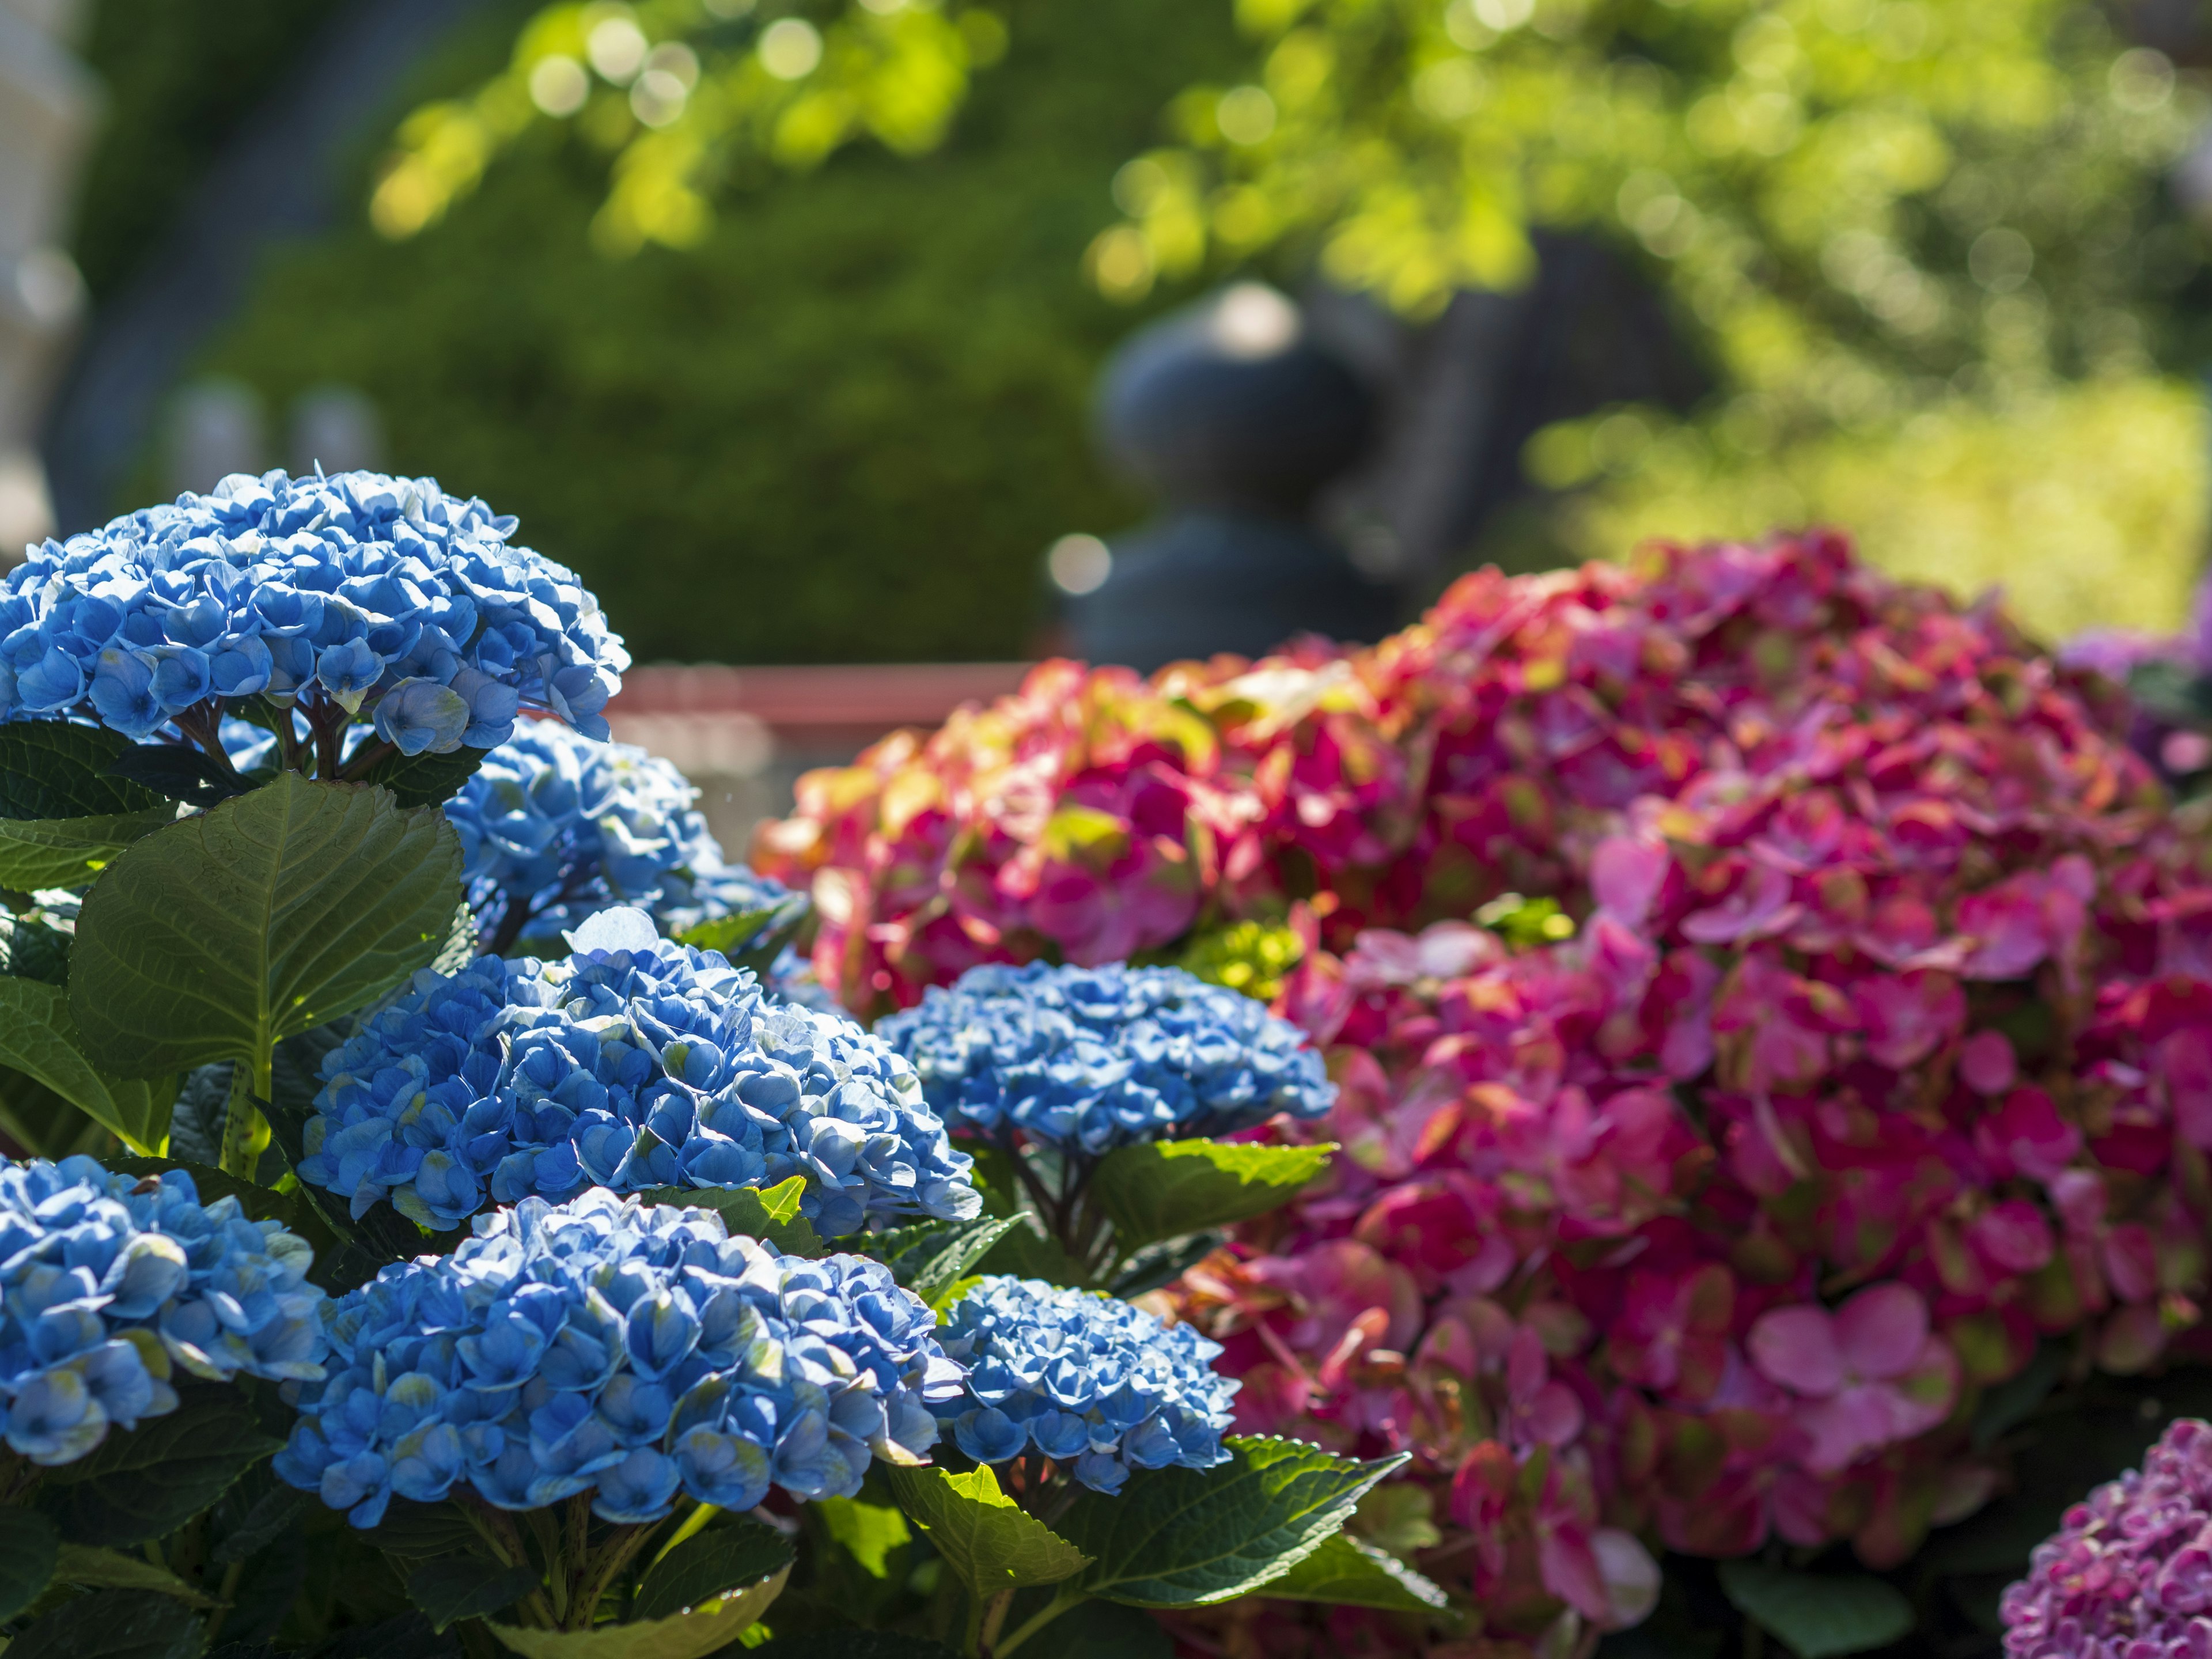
(1925, 247)
(179, 77)
(842, 427)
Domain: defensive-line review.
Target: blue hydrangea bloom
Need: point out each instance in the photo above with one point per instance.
(1090, 1381)
(109, 1282)
(627, 1350)
(380, 595)
(563, 826)
(647, 1064)
(1090, 1058)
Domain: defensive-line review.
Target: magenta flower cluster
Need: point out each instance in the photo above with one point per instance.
(2129, 1575)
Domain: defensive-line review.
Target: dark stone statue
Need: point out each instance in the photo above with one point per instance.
(1232, 414)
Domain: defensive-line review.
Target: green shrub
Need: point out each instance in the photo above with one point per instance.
(843, 429)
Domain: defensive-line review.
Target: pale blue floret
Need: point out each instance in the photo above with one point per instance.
(561, 826)
(628, 1350)
(109, 1283)
(1090, 1058)
(359, 590)
(1091, 1382)
(654, 1065)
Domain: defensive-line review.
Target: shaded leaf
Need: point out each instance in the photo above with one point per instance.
(60, 771)
(222, 934)
(28, 1549)
(1163, 1263)
(196, 1119)
(451, 1587)
(1819, 1615)
(1176, 1537)
(43, 1123)
(942, 1266)
(853, 1645)
(147, 1483)
(687, 1636)
(408, 1637)
(1100, 1630)
(988, 1542)
(2013, 1401)
(1162, 1190)
(770, 1214)
(179, 772)
(426, 780)
(40, 852)
(420, 1532)
(1347, 1573)
(31, 947)
(56, 769)
(253, 1513)
(40, 1038)
(710, 1564)
(94, 1568)
(270, 1582)
(111, 1624)
(1024, 1252)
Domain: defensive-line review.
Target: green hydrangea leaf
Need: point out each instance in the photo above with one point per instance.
(28, 1549)
(124, 1623)
(1180, 1538)
(451, 1587)
(692, 1635)
(55, 769)
(426, 780)
(938, 1269)
(422, 1532)
(42, 853)
(94, 1568)
(1163, 1189)
(147, 1483)
(711, 1564)
(1346, 1573)
(253, 1513)
(1818, 1615)
(1025, 1252)
(40, 1038)
(224, 933)
(988, 1542)
(770, 1213)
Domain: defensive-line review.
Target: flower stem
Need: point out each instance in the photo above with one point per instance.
(1060, 1602)
(993, 1619)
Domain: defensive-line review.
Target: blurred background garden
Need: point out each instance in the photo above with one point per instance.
(789, 323)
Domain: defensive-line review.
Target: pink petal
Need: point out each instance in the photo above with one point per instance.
(1882, 1330)
(1987, 1064)
(1625, 876)
(1797, 1348)
(1571, 1570)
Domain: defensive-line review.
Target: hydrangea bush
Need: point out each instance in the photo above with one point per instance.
(518, 1262)
(1869, 1073)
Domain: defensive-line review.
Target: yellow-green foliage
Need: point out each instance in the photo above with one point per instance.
(1251, 957)
(2087, 504)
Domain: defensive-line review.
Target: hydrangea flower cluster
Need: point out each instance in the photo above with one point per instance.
(2129, 1576)
(555, 827)
(1090, 1381)
(633, 1064)
(1892, 966)
(1091, 1059)
(351, 591)
(630, 1351)
(2170, 678)
(109, 1283)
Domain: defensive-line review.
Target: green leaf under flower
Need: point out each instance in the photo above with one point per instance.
(224, 933)
(39, 1037)
(1163, 1189)
(1819, 1615)
(770, 1214)
(1180, 1538)
(1346, 1573)
(987, 1542)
